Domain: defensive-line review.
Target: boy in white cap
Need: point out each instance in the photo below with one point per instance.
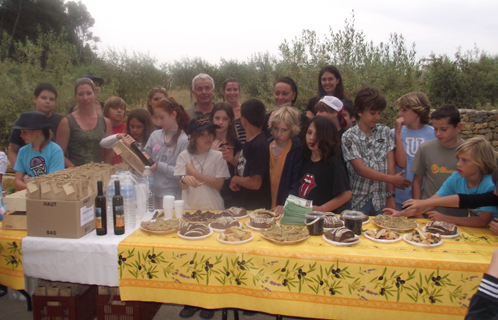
(332, 108)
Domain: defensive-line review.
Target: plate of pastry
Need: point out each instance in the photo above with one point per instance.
(235, 236)
(198, 216)
(445, 229)
(222, 223)
(332, 221)
(341, 237)
(423, 239)
(285, 234)
(382, 235)
(234, 212)
(194, 231)
(160, 226)
(400, 224)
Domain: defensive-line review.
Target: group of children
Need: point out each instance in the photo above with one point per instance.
(366, 167)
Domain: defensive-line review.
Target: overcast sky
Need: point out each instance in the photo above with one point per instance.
(172, 30)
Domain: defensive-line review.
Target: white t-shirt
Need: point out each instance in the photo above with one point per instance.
(213, 165)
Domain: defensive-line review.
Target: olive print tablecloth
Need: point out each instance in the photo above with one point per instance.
(310, 279)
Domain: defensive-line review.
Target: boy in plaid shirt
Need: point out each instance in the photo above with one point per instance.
(368, 149)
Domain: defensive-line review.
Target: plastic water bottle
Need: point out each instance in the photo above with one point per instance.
(128, 193)
(150, 197)
(109, 193)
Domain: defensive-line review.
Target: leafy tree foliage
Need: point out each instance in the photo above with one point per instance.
(23, 20)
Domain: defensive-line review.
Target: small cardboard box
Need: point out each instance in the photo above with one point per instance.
(14, 221)
(129, 157)
(61, 219)
(15, 201)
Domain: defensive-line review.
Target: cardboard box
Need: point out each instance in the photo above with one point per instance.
(14, 221)
(61, 219)
(129, 157)
(15, 201)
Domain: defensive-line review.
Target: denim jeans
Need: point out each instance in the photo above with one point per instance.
(399, 206)
(368, 209)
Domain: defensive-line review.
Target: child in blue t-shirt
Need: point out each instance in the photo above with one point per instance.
(40, 155)
(411, 130)
(476, 162)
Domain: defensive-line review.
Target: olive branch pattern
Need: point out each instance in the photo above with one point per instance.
(12, 255)
(325, 279)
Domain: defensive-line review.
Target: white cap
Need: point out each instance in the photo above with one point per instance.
(336, 105)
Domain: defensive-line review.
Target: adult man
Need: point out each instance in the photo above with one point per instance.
(203, 91)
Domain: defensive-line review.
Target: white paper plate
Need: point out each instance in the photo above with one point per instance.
(422, 245)
(449, 236)
(284, 242)
(396, 229)
(234, 242)
(342, 244)
(221, 230)
(248, 224)
(196, 238)
(381, 240)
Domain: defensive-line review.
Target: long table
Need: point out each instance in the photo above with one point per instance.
(310, 279)
(11, 259)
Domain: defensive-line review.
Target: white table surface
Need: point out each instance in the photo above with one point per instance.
(90, 259)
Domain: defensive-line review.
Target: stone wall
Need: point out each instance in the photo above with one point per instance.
(479, 123)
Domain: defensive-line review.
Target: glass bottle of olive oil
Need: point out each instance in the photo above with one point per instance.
(100, 211)
(118, 210)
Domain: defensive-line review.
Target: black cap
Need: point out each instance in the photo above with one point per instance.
(32, 120)
(199, 124)
(93, 77)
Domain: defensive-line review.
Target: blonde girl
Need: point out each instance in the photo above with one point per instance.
(286, 155)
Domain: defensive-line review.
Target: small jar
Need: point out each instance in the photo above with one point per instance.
(353, 220)
(315, 221)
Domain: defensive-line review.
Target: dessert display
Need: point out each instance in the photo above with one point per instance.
(234, 212)
(332, 221)
(235, 234)
(420, 237)
(441, 227)
(397, 223)
(261, 219)
(285, 234)
(193, 230)
(223, 223)
(198, 216)
(382, 234)
(159, 225)
(341, 234)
